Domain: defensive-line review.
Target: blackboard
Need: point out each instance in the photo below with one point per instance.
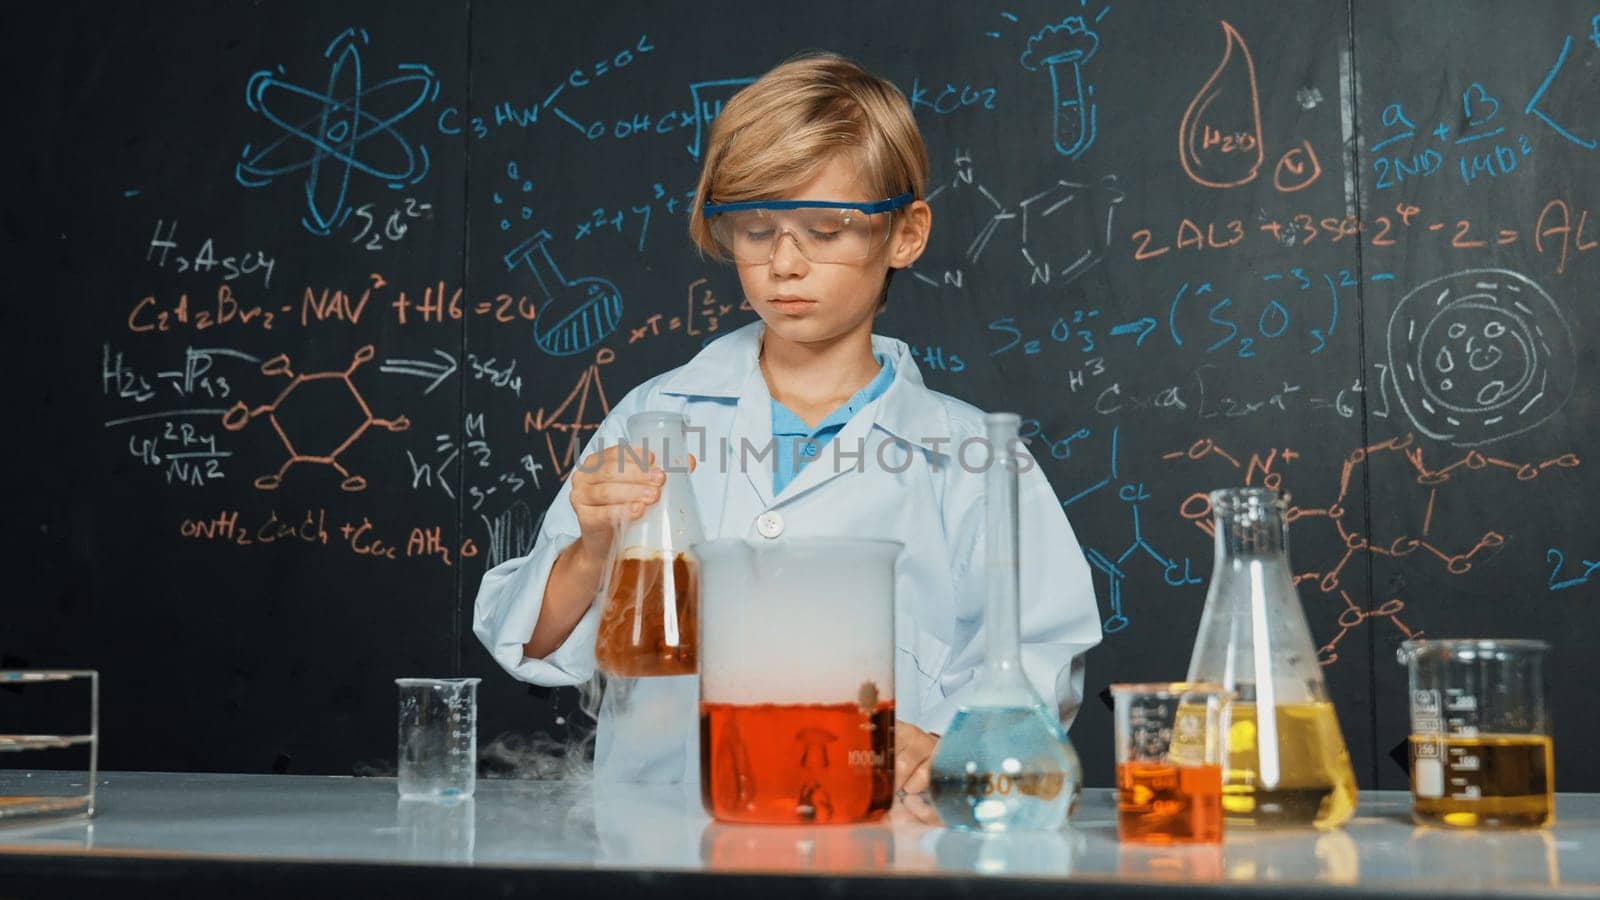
(312, 306)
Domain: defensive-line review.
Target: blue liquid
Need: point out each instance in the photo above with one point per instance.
(1003, 769)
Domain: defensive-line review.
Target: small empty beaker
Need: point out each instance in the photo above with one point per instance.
(1481, 754)
(1171, 744)
(438, 737)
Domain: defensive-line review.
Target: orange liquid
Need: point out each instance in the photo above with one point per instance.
(1158, 803)
(634, 641)
(796, 764)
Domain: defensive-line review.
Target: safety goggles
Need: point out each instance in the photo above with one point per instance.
(825, 231)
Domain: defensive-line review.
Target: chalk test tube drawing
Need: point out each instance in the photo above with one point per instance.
(1063, 50)
(576, 313)
(1219, 141)
(327, 135)
(1479, 355)
(706, 99)
(320, 399)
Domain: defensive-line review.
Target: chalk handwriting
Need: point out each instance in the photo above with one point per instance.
(204, 260)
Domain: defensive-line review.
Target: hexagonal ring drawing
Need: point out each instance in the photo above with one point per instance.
(301, 437)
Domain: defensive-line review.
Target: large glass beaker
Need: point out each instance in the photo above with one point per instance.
(647, 625)
(797, 679)
(1286, 764)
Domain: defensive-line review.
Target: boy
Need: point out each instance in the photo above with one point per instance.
(812, 186)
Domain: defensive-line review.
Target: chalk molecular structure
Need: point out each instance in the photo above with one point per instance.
(323, 132)
(329, 394)
(1132, 493)
(1196, 508)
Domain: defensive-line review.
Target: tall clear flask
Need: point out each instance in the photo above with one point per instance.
(652, 595)
(1005, 763)
(1287, 765)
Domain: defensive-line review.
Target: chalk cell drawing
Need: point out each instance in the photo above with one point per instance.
(575, 314)
(1479, 355)
(310, 425)
(327, 135)
(1063, 50)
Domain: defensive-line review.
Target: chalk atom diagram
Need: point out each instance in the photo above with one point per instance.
(319, 399)
(328, 134)
(1479, 355)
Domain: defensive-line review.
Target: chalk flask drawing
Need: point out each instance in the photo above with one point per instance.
(577, 313)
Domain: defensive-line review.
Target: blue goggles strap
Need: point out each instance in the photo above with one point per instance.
(877, 206)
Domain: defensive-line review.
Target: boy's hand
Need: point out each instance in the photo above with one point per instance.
(913, 750)
(611, 487)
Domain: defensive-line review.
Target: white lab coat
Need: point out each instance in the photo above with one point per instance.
(934, 507)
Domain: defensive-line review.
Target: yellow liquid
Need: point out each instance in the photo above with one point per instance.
(1488, 781)
(1315, 784)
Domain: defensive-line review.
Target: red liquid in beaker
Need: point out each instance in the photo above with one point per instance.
(774, 764)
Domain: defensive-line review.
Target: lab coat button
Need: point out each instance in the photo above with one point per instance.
(770, 524)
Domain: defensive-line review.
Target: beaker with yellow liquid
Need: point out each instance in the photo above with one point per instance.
(1286, 762)
(1481, 754)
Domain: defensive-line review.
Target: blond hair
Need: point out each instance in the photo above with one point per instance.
(778, 133)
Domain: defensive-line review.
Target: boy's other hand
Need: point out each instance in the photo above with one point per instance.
(611, 488)
(913, 750)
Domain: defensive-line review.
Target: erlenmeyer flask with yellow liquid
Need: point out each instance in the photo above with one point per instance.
(1287, 765)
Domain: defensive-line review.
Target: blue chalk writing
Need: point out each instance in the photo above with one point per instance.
(934, 357)
(1557, 561)
(1062, 331)
(1175, 572)
(950, 98)
(1534, 109)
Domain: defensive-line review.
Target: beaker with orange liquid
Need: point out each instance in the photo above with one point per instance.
(797, 679)
(1171, 743)
(651, 591)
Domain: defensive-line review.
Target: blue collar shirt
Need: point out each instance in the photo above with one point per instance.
(798, 443)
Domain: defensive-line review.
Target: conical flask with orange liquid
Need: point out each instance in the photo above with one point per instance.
(651, 592)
